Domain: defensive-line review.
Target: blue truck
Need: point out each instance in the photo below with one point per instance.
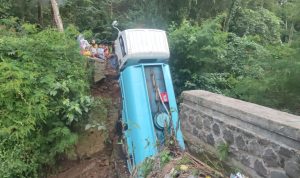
(149, 109)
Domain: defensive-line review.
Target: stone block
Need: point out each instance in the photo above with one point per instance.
(260, 168)
(234, 152)
(248, 135)
(263, 142)
(292, 169)
(184, 108)
(252, 160)
(207, 123)
(240, 143)
(195, 131)
(281, 162)
(232, 128)
(188, 127)
(210, 139)
(228, 136)
(246, 161)
(254, 148)
(219, 141)
(198, 122)
(270, 158)
(182, 125)
(286, 152)
(193, 112)
(183, 114)
(278, 174)
(202, 135)
(191, 119)
(216, 129)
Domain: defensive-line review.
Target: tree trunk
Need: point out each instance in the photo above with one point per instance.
(24, 10)
(56, 16)
(111, 9)
(40, 13)
(291, 33)
(231, 14)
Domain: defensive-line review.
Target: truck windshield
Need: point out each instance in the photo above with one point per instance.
(122, 46)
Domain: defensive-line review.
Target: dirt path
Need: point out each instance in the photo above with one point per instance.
(97, 154)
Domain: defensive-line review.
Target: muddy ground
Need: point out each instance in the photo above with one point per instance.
(97, 153)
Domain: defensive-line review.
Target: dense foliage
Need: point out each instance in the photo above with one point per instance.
(205, 57)
(210, 59)
(247, 54)
(44, 89)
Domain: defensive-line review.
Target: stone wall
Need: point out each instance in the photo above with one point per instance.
(263, 142)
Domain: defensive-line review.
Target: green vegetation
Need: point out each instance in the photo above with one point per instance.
(44, 92)
(165, 157)
(216, 161)
(147, 166)
(223, 151)
(246, 49)
(249, 51)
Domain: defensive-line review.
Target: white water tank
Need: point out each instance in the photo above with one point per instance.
(135, 46)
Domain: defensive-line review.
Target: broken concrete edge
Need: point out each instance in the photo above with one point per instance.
(279, 122)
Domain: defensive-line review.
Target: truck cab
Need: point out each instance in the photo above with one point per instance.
(134, 46)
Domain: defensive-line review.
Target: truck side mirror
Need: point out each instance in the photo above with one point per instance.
(115, 24)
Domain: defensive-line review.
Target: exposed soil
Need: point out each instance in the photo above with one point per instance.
(97, 154)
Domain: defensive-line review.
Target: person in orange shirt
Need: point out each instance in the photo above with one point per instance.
(86, 52)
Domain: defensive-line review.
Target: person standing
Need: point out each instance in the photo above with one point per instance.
(93, 48)
(100, 51)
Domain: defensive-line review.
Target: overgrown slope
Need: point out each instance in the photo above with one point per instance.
(44, 91)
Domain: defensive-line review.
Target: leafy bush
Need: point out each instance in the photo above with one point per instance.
(223, 151)
(165, 157)
(279, 88)
(147, 166)
(44, 90)
(205, 57)
(195, 50)
(259, 22)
